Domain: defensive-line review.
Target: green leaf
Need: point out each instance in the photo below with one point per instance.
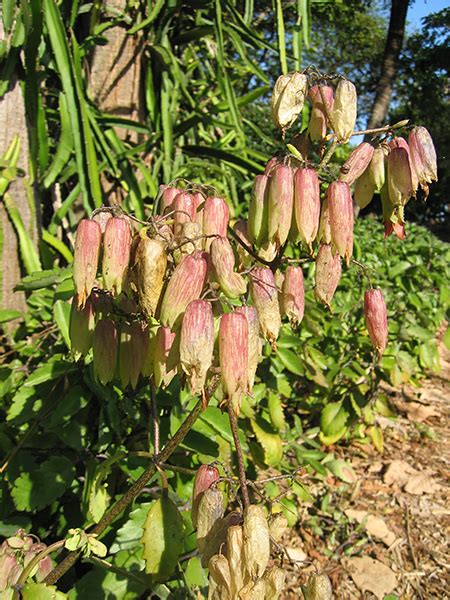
(291, 361)
(40, 591)
(43, 279)
(276, 412)
(36, 489)
(429, 356)
(28, 252)
(65, 144)
(376, 435)
(269, 440)
(342, 469)
(130, 534)
(163, 539)
(9, 315)
(61, 313)
(55, 367)
(333, 418)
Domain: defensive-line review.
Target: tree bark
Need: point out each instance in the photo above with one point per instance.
(12, 122)
(394, 42)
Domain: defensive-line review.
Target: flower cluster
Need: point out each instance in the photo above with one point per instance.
(16, 552)
(194, 293)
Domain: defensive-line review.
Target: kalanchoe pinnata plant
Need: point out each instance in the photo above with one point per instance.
(189, 295)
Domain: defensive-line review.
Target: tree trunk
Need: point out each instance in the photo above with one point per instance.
(394, 42)
(13, 122)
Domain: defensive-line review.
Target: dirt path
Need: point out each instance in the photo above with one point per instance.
(387, 533)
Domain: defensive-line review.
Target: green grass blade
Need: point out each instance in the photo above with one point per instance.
(65, 143)
(281, 34)
(28, 252)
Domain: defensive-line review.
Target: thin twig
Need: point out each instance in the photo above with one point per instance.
(240, 459)
(155, 418)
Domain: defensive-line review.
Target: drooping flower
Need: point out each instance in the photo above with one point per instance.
(105, 346)
(116, 254)
(307, 204)
(233, 356)
(292, 299)
(151, 263)
(344, 110)
(288, 98)
(264, 294)
(281, 204)
(376, 318)
(328, 274)
(356, 163)
(340, 207)
(85, 263)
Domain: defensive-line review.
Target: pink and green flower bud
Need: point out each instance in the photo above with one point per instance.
(105, 346)
(116, 254)
(399, 142)
(423, 157)
(233, 357)
(216, 216)
(254, 341)
(399, 177)
(232, 284)
(264, 294)
(86, 255)
(288, 98)
(81, 327)
(324, 234)
(131, 353)
(340, 206)
(10, 571)
(357, 163)
(281, 204)
(293, 295)
(376, 318)
(184, 211)
(165, 357)
(328, 274)
(258, 210)
(185, 284)
(364, 189)
(166, 198)
(205, 478)
(151, 264)
(377, 168)
(307, 204)
(344, 111)
(322, 99)
(197, 343)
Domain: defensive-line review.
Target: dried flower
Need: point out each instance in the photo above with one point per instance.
(256, 540)
(344, 110)
(86, 255)
(364, 189)
(151, 263)
(288, 99)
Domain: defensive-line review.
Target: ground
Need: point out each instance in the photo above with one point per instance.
(385, 534)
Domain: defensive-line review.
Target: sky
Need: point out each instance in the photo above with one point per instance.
(422, 8)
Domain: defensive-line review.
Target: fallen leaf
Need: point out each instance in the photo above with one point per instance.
(296, 554)
(371, 575)
(420, 412)
(373, 525)
(398, 473)
(421, 483)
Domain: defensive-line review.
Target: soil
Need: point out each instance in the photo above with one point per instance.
(406, 487)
